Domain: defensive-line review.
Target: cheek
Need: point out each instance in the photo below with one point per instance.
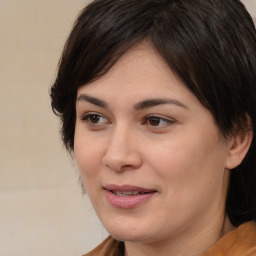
(88, 154)
(189, 163)
(191, 174)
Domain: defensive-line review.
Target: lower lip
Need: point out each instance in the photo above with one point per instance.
(127, 202)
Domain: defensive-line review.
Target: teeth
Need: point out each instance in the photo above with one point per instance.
(127, 193)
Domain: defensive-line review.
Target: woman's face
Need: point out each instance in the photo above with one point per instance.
(149, 154)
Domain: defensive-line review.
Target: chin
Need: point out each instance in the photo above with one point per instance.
(129, 236)
(131, 233)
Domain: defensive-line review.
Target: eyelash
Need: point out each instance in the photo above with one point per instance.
(157, 118)
(87, 119)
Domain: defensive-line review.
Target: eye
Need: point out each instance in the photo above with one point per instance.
(94, 119)
(157, 121)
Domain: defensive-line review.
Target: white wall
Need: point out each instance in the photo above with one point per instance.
(251, 7)
(42, 211)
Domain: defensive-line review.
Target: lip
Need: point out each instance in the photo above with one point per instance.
(127, 202)
(127, 188)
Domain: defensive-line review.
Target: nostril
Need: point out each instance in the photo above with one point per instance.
(118, 168)
(126, 167)
(121, 159)
(107, 166)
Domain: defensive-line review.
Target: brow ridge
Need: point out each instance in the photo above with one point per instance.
(93, 100)
(155, 102)
(139, 106)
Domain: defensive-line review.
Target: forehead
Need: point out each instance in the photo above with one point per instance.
(141, 68)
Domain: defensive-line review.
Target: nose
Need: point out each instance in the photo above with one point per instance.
(122, 151)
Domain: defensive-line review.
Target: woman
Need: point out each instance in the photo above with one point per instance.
(157, 102)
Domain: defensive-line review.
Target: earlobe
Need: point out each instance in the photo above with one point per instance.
(239, 147)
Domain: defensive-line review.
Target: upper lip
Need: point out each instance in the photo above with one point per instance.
(127, 188)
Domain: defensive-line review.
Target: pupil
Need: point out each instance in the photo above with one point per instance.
(94, 119)
(154, 121)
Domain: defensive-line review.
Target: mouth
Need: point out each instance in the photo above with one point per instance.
(128, 193)
(127, 190)
(127, 196)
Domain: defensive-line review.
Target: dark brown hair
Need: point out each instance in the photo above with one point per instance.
(210, 45)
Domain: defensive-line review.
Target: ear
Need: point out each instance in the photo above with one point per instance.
(239, 147)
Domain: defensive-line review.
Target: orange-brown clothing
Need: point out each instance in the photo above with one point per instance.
(239, 242)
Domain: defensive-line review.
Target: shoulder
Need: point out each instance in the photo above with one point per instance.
(239, 242)
(109, 247)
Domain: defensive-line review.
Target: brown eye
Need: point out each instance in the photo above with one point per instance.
(94, 119)
(157, 121)
(154, 120)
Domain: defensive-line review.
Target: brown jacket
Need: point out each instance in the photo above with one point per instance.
(239, 242)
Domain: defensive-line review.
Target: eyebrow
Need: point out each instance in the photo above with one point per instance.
(155, 102)
(93, 100)
(139, 106)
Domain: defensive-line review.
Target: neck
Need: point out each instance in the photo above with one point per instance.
(188, 244)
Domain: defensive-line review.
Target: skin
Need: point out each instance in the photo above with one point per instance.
(180, 153)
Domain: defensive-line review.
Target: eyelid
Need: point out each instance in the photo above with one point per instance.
(164, 122)
(87, 115)
(168, 121)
